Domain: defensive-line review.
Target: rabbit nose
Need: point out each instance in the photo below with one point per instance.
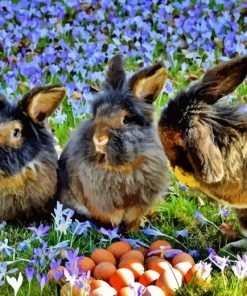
(100, 143)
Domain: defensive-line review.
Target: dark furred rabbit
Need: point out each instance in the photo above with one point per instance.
(205, 141)
(114, 168)
(28, 160)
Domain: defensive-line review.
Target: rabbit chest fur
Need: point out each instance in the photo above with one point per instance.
(30, 189)
(107, 191)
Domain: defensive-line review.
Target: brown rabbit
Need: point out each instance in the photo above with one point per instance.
(206, 141)
(114, 168)
(28, 160)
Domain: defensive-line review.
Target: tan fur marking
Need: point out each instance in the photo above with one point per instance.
(45, 102)
(152, 85)
(170, 139)
(17, 181)
(125, 168)
(6, 134)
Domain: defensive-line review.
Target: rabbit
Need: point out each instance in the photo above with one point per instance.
(28, 160)
(206, 141)
(114, 169)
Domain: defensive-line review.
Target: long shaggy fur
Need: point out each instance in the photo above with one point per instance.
(126, 181)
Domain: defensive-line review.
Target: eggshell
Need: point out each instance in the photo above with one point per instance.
(157, 244)
(119, 248)
(101, 255)
(103, 291)
(131, 291)
(98, 283)
(183, 267)
(170, 281)
(136, 268)
(52, 271)
(133, 254)
(121, 278)
(103, 271)
(183, 257)
(86, 264)
(160, 266)
(195, 275)
(143, 250)
(151, 259)
(154, 291)
(148, 277)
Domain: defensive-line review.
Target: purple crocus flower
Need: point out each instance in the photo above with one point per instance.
(42, 280)
(40, 232)
(199, 216)
(194, 253)
(29, 272)
(111, 233)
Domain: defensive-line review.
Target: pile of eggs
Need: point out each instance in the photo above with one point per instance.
(121, 271)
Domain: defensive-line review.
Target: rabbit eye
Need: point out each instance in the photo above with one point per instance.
(16, 133)
(126, 120)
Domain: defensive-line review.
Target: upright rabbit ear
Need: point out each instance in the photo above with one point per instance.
(41, 102)
(221, 80)
(115, 74)
(204, 154)
(147, 83)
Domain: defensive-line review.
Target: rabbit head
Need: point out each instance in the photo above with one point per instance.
(22, 133)
(123, 112)
(194, 128)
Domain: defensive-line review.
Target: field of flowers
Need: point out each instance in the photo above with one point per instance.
(69, 42)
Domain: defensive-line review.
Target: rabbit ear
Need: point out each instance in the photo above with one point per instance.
(223, 79)
(41, 102)
(148, 82)
(115, 74)
(204, 154)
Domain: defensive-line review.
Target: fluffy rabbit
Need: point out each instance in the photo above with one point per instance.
(114, 168)
(206, 141)
(28, 160)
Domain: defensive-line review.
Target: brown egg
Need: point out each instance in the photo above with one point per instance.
(154, 291)
(183, 257)
(66, 290)
(151, 259)
(170, 280)
(86, 264)
(148, 277)
(160, 265)
(131, 291)
(136, 268)
(133, 254)
(198, 273)
(119, 248)
(103, 291)
(127, 261)
(143, 250)
(157, 244)
(101, 255)
(183, 267)
(51, 274)
(94, 284)
(121, 278)
(103, 271)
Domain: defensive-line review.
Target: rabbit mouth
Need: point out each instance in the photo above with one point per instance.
(100, 149)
